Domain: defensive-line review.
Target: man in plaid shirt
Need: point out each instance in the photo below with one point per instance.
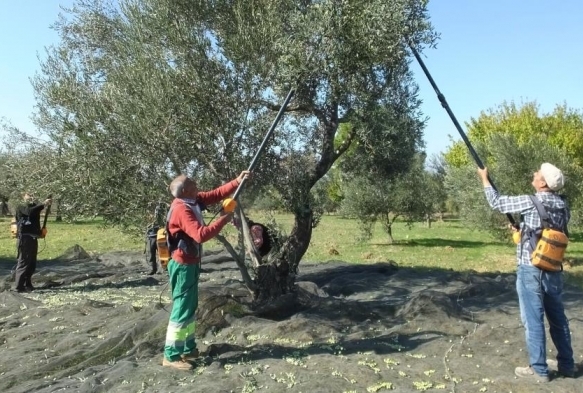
(539, 291)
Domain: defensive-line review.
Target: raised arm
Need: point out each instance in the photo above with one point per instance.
(187, 222)
(220, 193)
(508, 204)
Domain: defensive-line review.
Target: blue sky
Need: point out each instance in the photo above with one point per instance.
(489, 51)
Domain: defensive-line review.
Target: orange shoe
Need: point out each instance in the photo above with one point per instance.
(177, 364)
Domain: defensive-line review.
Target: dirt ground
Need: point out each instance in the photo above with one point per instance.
(97, 324)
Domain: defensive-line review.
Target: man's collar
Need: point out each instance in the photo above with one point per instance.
(189, 201)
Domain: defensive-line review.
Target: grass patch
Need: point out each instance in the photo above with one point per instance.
(446, 245)
(92, 235)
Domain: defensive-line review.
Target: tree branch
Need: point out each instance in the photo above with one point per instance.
(291, 108)
(320, 115)
(330, 127)
(345, 145)
(240, 263)
(251, 250)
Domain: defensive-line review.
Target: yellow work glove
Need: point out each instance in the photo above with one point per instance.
(516, 237)
(229, 205)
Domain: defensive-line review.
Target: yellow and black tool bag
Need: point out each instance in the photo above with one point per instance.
(163, 250)
(551, 244)
(13, 229)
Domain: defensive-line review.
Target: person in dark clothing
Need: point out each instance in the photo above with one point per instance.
(263, 238)
(152, 248)
(29, 230)
(4, 206)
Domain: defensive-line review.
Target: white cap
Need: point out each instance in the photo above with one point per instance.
(553, 176)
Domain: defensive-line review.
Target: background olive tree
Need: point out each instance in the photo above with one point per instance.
(413, 195)
(511, 165)
(561, 128)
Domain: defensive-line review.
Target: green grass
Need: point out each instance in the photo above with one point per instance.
(446, 245)
(92, 235)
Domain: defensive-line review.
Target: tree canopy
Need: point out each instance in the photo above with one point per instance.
(138, 91)
(412, 195)
(511, 164)
(513, 141)
(562, 128)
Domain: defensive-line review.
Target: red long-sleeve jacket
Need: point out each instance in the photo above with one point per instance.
(182, 219)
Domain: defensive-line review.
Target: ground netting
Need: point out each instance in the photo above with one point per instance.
(96, 324)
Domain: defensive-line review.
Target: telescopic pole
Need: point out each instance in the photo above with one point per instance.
(445, 105)
(265, 139)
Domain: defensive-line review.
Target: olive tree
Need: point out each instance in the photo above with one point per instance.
(137, 92)
(511, 164)
(410, 196)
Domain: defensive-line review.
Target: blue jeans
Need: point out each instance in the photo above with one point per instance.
(539, 293)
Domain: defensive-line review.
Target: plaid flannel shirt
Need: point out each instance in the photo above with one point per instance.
(529, 215)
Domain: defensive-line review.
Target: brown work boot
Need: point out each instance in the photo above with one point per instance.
(192, 356)
(177, 364)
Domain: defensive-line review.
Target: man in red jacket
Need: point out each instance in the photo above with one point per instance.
(186, 232)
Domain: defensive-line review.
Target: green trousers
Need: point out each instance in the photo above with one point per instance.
(181, 327)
